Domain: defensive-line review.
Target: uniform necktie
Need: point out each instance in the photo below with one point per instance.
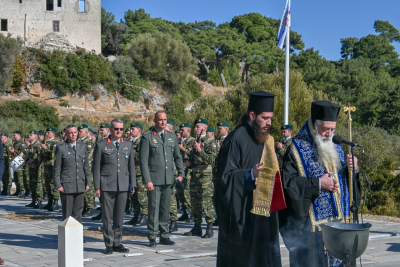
(117, 145)
(162, 137)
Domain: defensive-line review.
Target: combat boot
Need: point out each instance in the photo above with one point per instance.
(184, 217)
(209, 231)
(88, 213)
(45, 197)
(173, 227)
(133, 220)
(142, 220)
(97, 218)
(190, 215)
(15, 194)
(196, 230)
(21, 194)
(55, 206)
(48, 205)
(38, 205)
(30, 205)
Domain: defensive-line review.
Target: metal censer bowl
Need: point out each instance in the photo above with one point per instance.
(339, 238)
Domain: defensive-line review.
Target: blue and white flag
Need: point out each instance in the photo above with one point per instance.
(285, 24)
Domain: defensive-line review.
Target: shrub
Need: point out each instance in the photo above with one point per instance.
(10, 49)
(64, 103)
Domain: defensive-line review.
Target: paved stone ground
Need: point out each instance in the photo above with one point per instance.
(35, 244)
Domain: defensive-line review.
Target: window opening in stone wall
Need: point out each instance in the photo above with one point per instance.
(20, 1)
(81, 5)
(56, 25)
(58, 3)
(49, 5)
(4, 25)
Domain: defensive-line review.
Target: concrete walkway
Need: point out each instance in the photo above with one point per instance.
(35, 244)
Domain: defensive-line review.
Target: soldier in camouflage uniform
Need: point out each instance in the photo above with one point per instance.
(139, 199)
(211, 132)
(6, 179)
(201, 160)
(223, 130)
(32, 158)
(185, 147)
(287, 141)
(48, 152)
(89, 196)
(25, 169)
(18, 147)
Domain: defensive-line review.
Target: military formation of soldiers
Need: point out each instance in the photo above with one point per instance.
(199, 155)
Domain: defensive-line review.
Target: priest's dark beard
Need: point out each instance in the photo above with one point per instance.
(259, 134)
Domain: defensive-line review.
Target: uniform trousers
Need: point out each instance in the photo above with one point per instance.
(159, 208)
(72, 205)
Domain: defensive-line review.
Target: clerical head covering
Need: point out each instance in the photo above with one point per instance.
(324, 111)
(261, 101)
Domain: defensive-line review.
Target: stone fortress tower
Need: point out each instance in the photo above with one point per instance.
(77, 21)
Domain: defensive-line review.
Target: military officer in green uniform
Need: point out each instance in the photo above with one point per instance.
(159, 150)
(17, 148)
(32, 157)
(89, 195)
(186, 146)
(48, 152)
(139, 199)
(201, 160)
(281, 147)
(6, 180)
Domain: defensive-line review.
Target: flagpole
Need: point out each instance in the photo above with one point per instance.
(286, 101)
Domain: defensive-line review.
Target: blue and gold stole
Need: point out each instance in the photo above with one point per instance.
(328, 206)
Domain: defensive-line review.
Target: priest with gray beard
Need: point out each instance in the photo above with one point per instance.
(314, 177)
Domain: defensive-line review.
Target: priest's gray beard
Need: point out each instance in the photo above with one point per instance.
(259, 134)
(326, 150)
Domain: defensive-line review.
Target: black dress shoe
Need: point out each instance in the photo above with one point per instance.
(120, 248)
(88, 213)
(97, 218)
(152, 243)
(109, 250)
(142, 220)
(167, 241)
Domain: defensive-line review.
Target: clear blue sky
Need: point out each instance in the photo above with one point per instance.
(321, 23)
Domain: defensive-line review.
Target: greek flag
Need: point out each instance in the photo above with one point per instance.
(285, 24)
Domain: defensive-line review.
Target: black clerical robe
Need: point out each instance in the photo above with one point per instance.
(306, 248)
(244, 239)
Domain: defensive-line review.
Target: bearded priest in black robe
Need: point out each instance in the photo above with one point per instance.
(315, 184)
(248, 230)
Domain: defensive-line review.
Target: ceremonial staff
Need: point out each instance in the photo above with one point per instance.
(348, 110)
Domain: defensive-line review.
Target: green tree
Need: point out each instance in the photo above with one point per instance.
(162, 59)
(10, 49)
(112, 33)
(387, 30)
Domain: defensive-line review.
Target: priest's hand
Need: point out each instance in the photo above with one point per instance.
(328, 183)
(256, 169)
(279, 145)
(350, 163)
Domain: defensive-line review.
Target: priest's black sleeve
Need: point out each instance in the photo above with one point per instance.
(299, 191)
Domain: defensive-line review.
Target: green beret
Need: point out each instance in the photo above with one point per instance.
(201, 120)
(137, 124)
(51, 129)
(91, 130)
(224, 123)
(105, 125)
(127, 129)
(151, 128)
(34, 132)
(170, 122)
(178, 131)
(185, 124)
(287, 127)
(83, 126)
(210, 130)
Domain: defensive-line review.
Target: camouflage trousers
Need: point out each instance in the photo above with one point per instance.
(33, 182)
(40, 183)
(19, 180)
(49, 183)
(184, 196)
(173, 213)
(6, 179)
(25, 174)
(90, 195)
(201, 195)
(139, 199)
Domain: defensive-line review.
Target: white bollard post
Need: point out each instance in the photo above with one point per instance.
(70, 243)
